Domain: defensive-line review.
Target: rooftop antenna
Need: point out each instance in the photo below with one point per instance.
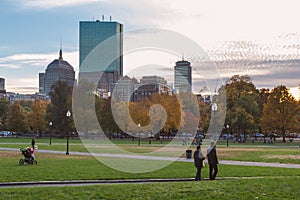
(110, 18)
(217, 84)
(102, 17)
(182, 56)
(60, 51)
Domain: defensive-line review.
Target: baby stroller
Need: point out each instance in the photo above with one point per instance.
(28, 158)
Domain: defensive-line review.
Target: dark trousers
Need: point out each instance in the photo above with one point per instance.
(198, 174)
(213, 170)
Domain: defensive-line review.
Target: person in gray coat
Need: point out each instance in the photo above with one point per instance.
(198, 162)
(212, 161)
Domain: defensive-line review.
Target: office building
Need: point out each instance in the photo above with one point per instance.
(15, 97)
(150, 85)
(41, 83)
(2, 85)
(124, 89)
(108, 57)
(153, 79)
(58, 69)
(183, 76)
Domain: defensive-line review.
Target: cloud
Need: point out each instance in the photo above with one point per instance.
(36, 60)
(49, 4)
(21, 85)
(9, 66)
(24, 78)
(278, 60)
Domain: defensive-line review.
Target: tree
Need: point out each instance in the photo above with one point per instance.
(4, 111)
(84, 106)
(61, 101)
(17, 119)
(189, 107)
(105, 116)
(205, 113)
(37, 116)
(171, 105)
(26, 105)
(281, 112)
(242, 104)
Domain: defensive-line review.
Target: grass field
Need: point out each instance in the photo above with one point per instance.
(238, 182)
(61, 167)
(255, 188)
(258, 152)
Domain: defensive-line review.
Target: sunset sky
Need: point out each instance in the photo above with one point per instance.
(258, 38)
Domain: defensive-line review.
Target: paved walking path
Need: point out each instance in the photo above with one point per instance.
(124, 181)
(132, 156)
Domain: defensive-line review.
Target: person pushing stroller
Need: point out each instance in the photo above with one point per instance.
(28, 154)
(31, 151)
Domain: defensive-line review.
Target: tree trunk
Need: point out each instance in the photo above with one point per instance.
(283, 135)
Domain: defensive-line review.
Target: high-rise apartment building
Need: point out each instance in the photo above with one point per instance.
(183, 76)
(108, 57)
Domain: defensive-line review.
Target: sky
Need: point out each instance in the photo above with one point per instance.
(257, 38)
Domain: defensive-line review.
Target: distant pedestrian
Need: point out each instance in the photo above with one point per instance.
(32, 143)
(212, 161)
(198, 162)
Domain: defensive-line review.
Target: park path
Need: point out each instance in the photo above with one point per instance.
(123, 181)
(136, 156)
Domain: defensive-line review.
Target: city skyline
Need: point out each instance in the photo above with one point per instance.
(265, 45)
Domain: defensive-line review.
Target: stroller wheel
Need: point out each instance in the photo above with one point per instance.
(35, 162)
(21, 162)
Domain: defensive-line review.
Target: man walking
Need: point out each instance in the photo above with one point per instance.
(32, 143)
(212, 161)
(198, 162)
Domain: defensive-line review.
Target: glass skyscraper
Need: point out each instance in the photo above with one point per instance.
(108, 56)
(183, 76)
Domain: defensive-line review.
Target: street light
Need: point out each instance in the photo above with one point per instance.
(214, 108)
(50, 129)
(227, 135)
(68, 114)
(139, 125)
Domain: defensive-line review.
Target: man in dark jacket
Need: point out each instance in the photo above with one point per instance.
(32, 143)
(212, 161)
(198, 162)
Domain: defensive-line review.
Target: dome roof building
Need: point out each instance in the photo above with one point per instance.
(58, 69)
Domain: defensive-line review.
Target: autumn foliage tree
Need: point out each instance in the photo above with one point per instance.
(36, 117)
(4, 110)
(17, 119)
(280, 113)
(242, 104)
(172, 108)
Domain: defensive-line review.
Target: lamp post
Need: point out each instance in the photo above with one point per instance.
(214, 108)
(50, 129)
(68, 114)
(227, 135)
(139, 125)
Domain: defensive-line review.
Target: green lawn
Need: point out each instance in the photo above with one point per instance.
(257, 152)
(239, 182)
(257, 188)
(61, 167)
